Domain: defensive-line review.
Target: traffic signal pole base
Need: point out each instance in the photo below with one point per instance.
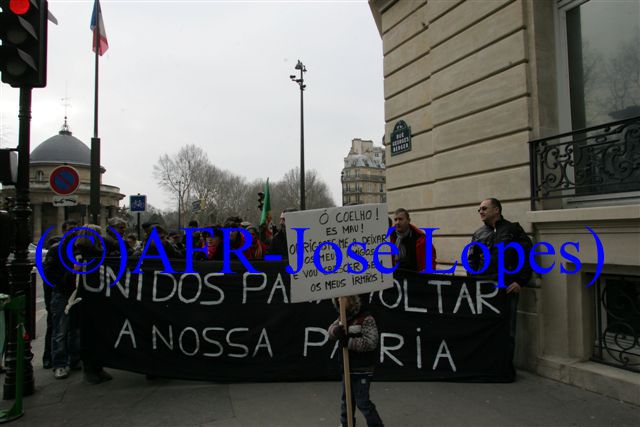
(11, 375)
(15, 307)
(19, 370)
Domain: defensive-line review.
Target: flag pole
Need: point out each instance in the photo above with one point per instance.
(95, 141)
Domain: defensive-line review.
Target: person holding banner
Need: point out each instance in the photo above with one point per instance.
(279, 245)
(497, 232)
(257, 249)
(410, 241)
(65, 334)
(361, 339)
(88, 248)
(46, 356)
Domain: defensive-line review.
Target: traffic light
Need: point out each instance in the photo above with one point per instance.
(23, 53)
(8, 166)
(260, 200)
(7, 228)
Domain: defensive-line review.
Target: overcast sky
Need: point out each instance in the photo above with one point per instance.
(214, 74)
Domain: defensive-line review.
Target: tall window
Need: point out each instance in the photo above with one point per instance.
(603, 60)
(598, 82)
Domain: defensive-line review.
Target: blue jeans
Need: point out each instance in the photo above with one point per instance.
(46, 357)
(360, 383)
(65, 338)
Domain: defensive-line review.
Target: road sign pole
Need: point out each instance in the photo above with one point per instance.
(138, 204)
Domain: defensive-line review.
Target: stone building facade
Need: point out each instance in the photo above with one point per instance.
(498, 94)
(363, 175)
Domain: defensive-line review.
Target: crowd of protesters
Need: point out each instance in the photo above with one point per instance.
(65, 348)
(264, 240)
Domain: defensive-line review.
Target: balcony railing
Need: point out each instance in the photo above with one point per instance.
(364, 177)
(599, 160)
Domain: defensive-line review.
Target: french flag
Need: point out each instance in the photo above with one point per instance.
(99, 32)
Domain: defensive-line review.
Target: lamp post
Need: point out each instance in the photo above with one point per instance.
(179, 203)
(300, 66)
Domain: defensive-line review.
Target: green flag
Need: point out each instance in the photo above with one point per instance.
(266, 207)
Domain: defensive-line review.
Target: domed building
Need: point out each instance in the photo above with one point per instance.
(64, 149)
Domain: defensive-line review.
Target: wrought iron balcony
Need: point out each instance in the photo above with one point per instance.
(599, 160)
(364, 177)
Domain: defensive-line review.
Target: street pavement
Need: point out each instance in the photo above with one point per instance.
(132, 400)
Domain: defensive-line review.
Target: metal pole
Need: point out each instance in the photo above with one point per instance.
(302, 189)
(300, 66)
(20, 267)
(179, 202)
(94, 192)
(94, 195)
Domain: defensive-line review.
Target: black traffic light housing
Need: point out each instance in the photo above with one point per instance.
(23, 32)
(260, 200)
(8, 166)
(7, 229)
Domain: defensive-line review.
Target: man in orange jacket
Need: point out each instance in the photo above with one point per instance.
(410, 241)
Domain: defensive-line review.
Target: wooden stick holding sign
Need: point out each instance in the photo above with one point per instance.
(325, 268)
(345, 362)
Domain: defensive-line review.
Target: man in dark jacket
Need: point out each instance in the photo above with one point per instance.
(65, 336)
(46, 356)
(498, 230)
(411, 242)
(112, 242)
(279, 245)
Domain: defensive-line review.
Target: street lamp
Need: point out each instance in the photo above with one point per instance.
(179, 203)
(300, 66)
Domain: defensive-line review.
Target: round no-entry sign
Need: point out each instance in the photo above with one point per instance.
(64, 180)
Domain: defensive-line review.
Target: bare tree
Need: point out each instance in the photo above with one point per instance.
(287, 191)
(176, 174)
(152, 214)
(223, 193)
(622, 77)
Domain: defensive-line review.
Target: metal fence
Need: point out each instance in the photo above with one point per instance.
(617, 340)
(598, 160)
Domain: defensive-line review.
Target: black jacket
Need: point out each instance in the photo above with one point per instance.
(63, 280)
(363, 339)
(279, 245)
(504, 232)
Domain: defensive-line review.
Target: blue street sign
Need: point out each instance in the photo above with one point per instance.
(138, 203)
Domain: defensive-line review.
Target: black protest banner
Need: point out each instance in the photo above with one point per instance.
(242, 327)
